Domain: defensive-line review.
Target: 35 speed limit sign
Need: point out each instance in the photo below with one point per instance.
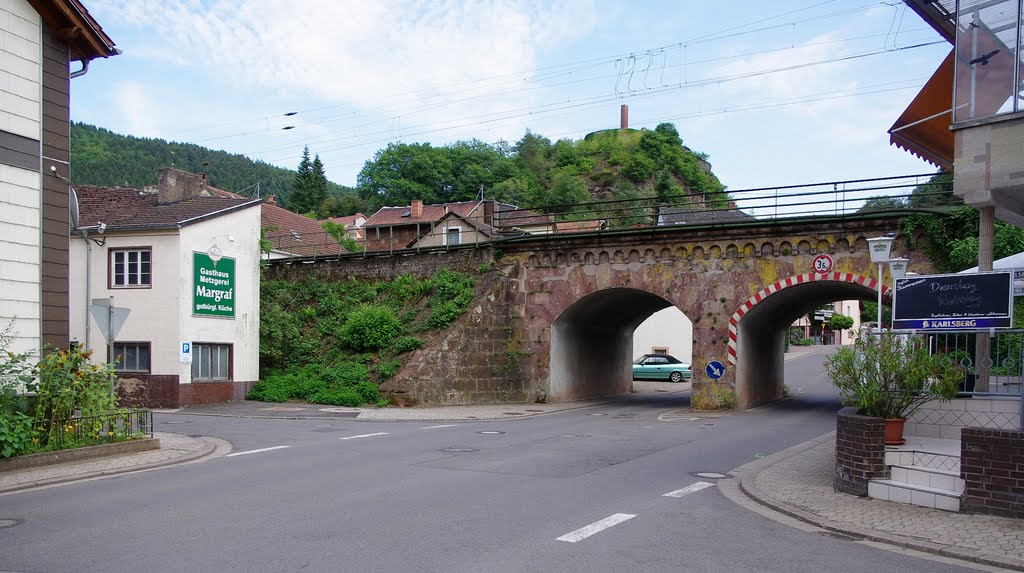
(822, 264)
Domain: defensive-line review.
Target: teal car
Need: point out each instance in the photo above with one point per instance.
(661, 367)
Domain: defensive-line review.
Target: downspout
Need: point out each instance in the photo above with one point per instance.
(88, 283)
(81, 72)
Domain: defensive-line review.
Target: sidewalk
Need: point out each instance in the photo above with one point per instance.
(174, 449)
(798, 482)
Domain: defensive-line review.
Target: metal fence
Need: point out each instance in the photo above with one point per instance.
(82, 431)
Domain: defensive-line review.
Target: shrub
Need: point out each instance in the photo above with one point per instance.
(404, 344)
(713, 397)
(452, 294)
(388, 368)
(369, 392)
(370, 327)
(345, 396)
(275, 389)
(346, 374)
(15, 434)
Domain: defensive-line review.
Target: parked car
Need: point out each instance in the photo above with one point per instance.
(661, 367)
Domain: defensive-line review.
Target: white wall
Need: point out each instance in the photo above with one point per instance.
(243, 331)
(667, 328)
(20, 189)
(162, 314)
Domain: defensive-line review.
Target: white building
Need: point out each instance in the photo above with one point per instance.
(184, 264)
(667, 331)
(38, 42)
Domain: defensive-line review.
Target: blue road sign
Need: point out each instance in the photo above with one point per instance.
(714, 370)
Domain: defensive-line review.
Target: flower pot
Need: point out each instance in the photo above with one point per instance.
(894, 431)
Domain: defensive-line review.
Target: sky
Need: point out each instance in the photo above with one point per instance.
(775, 93)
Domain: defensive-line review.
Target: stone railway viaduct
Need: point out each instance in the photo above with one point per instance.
(554, 316)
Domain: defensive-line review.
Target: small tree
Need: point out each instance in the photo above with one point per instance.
(840, 322)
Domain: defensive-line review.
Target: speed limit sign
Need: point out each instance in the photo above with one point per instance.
(822, 264)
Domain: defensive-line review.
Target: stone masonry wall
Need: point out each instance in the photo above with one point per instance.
(992, 467)
(860, 451)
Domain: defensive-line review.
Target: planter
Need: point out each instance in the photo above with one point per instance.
(894, 431)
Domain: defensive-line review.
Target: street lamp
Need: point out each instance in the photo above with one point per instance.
(879, 247)
(898, 270)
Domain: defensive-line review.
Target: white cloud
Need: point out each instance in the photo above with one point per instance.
(138, 110)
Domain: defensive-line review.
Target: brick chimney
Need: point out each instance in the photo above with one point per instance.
(177, 185)
(417, 208)
(271, 199)
(624, 117)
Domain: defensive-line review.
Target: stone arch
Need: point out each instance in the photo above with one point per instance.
(532, 260)
(698, 253)
(650, 256)
(574, 258)
(732, 251)
(589, 258)
(785, 248)
(767, 249)
(666, 254)
(803, 247)
(634, 256)
(755, 348)
(749, 250)
(843, 245)
(822, 246)
(715, 252)
(603, 258)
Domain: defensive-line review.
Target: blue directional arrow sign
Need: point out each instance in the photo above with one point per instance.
(714, 370)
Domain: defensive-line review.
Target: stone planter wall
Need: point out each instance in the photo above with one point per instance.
(860, 451)
(992, 467)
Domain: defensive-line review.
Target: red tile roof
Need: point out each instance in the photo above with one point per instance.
(296, 234)
(346, 220)
(393, 216)
(577, 226)
(122, 208)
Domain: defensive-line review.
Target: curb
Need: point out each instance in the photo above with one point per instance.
(746, 474)
(209, 446)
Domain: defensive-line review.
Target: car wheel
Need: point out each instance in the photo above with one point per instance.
(676, 377)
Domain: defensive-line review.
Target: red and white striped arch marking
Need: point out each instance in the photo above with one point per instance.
(793, 281)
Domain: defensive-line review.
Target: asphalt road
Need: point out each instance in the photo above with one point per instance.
(581, 490)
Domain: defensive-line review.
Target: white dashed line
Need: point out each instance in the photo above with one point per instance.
(596, 527)
(688, 489)
(256, 451)
(441, 426)
(364, 436)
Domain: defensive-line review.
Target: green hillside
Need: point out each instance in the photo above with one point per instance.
(102, 157)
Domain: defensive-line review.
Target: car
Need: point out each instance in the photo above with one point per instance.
(661, 367)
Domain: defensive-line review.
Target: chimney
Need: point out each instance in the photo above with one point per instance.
(272, 200)
(177, 185)
(624, 117)
(417, 208)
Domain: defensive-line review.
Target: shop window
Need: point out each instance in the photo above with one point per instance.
(131, 356)
(131, 268)
(211, 361)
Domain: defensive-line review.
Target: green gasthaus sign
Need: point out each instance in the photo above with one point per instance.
(213, 286)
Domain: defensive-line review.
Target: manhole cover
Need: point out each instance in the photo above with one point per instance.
(490, 432)
(458, 450)
(710, 475)
(9, 522)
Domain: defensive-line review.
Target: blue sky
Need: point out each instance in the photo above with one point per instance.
(776, 93)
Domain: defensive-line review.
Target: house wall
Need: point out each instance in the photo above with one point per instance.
(392, 238)
(162, 314)
(668, 328)
(437, 237)
(20, 180)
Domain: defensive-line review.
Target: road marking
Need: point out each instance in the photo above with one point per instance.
(441, 426)
(596, 527)
(256, 451)
(688, 489)
(364, 436)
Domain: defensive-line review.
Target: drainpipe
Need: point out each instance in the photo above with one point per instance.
(88, 284)
(81, 72)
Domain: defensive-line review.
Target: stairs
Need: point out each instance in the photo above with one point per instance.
(923, 471)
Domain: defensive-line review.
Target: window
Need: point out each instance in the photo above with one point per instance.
(130, 268)
(453, 235)
(659, 350)
(211, 362)
(131, 356)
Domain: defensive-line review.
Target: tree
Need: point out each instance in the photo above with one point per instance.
(841, 322)
(309, 191)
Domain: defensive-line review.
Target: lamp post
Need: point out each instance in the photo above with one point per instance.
(879, 247)
(898, 270)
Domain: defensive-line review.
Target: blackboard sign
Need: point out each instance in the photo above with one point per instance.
(954, 302)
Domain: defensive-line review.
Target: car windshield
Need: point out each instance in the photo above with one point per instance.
(639, 360)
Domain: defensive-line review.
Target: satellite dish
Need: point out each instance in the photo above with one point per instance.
(73, 208)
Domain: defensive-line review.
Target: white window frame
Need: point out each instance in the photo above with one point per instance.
(449, 229)
(124, 267)
(204, 356)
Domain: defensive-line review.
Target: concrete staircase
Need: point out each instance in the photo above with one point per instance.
(923, 471)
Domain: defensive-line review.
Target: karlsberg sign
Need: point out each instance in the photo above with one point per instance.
(954, 302)
(213, 286)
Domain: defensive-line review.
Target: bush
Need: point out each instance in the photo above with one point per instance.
(15, 434)
(388, 368)
(346, 374)
(275, 389)
(405, 344)
(713, 397)
(369, 392)
(345, 396)
(370, 327)
(452, 294)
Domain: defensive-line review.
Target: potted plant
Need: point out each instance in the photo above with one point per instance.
(889, 376)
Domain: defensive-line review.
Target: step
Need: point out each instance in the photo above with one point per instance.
(944, 461)
(925, 496)
(929, 477)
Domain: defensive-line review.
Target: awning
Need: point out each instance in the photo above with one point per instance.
(923, 129)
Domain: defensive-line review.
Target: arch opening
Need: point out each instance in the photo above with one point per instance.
(592, 343)
(760, 332)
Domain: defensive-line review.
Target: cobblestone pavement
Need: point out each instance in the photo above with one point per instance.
(798, 482)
